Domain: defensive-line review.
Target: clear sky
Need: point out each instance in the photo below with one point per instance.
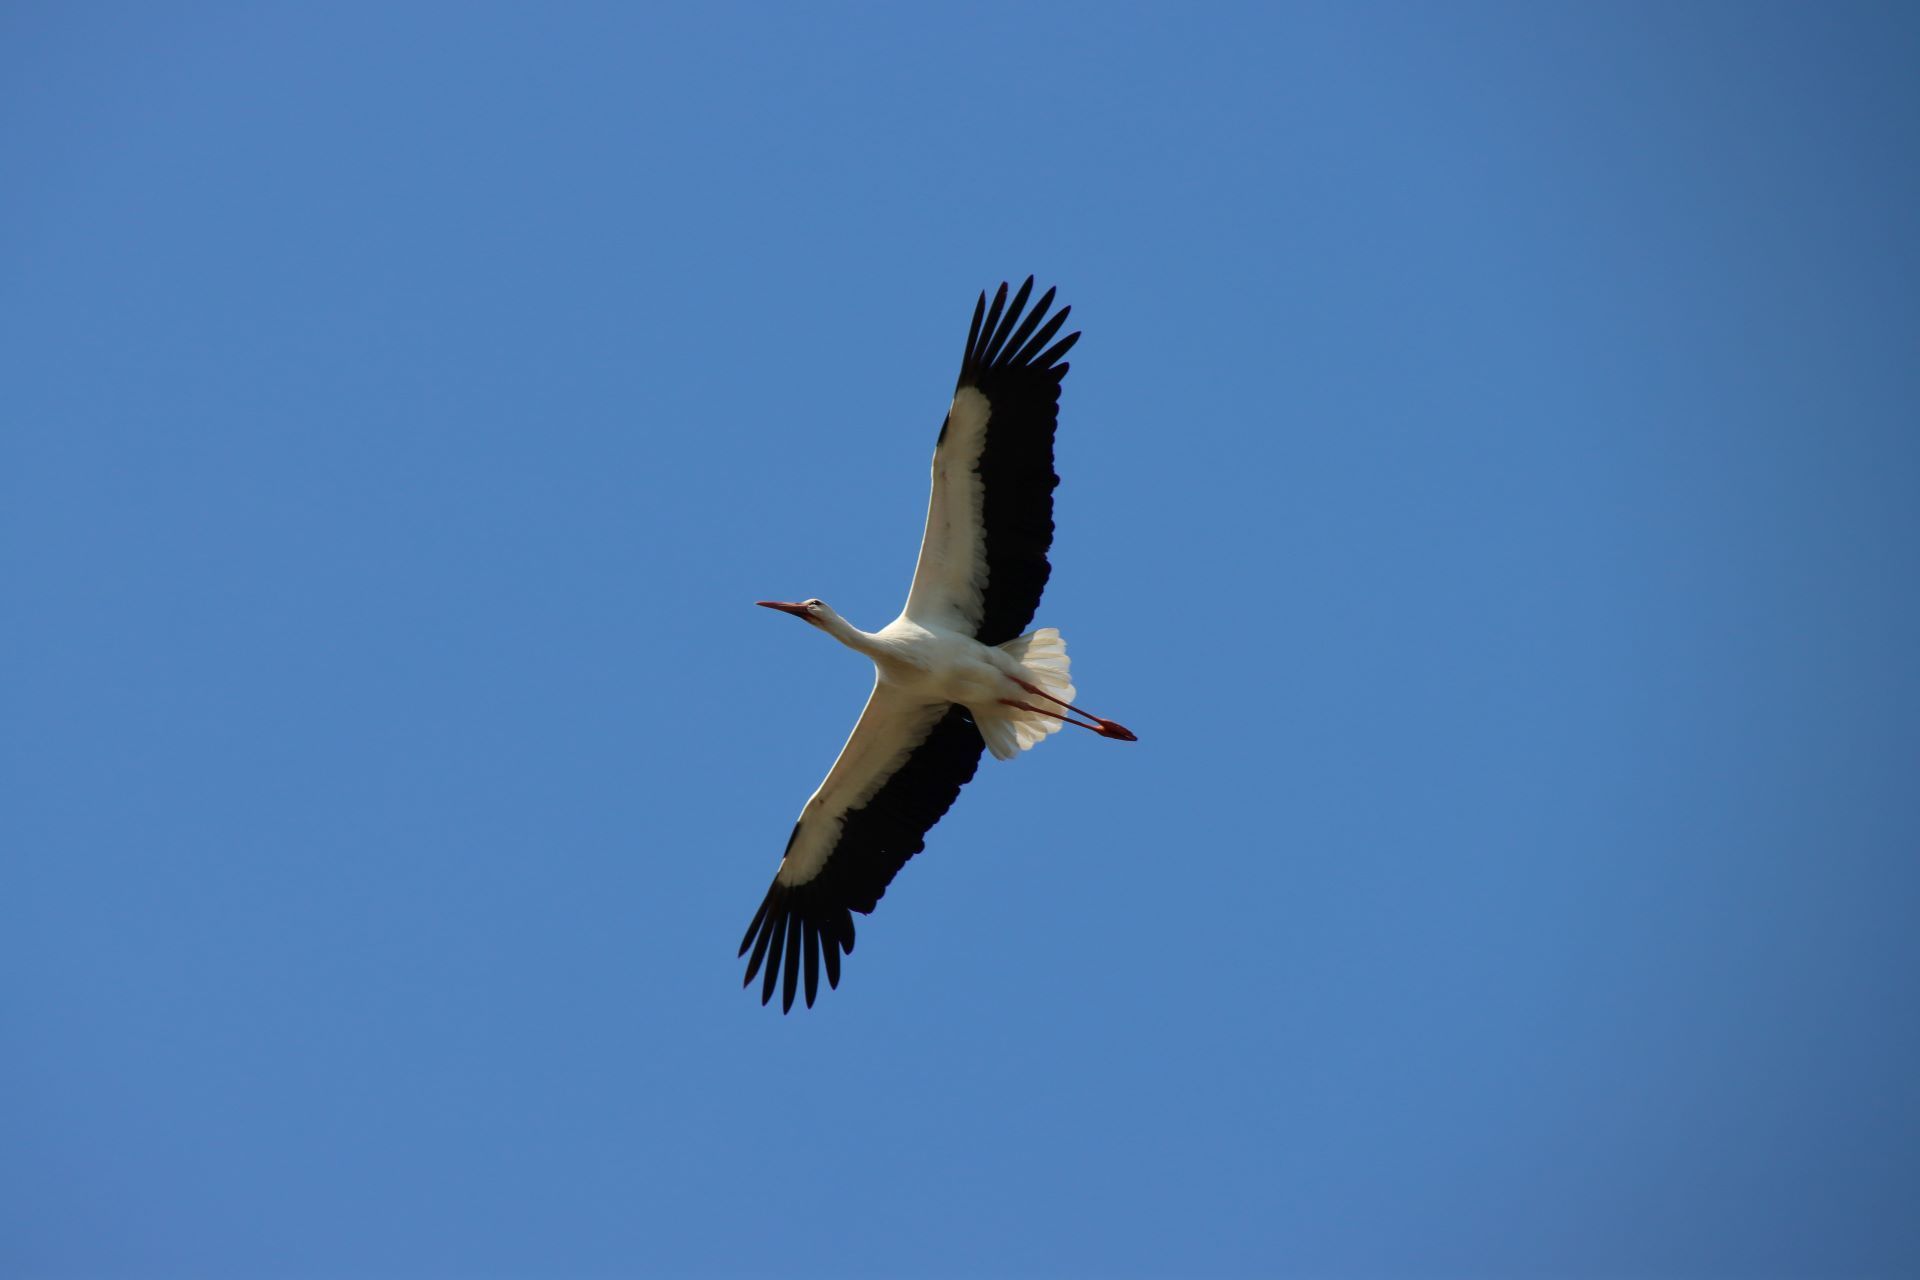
(1492, 492)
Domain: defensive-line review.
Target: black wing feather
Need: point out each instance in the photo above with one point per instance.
(777, 922)
(1026, 353)
(1006, 326)
(876, 840)
(792, 964)
(830, 952)
(810, 951)
(992, 322)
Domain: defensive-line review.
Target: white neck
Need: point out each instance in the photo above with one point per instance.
(848, 634)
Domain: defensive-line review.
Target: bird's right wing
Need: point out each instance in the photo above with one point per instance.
(902, 766)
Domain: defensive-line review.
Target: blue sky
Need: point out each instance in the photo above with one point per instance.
(1490, 492)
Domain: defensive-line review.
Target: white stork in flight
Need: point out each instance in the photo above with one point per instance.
(956, 671)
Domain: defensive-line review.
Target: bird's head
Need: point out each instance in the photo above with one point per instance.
(813, 611)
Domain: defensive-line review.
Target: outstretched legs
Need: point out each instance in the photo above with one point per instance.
(1105, 728)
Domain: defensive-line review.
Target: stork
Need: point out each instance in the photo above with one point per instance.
(956, 671)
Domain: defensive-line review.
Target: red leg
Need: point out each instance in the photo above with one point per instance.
(1106, 728)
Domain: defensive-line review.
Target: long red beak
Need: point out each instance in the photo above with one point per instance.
(797, 610)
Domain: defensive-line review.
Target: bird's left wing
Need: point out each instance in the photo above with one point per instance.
(983, 558)
(902, 766)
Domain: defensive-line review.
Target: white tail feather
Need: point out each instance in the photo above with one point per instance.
(1008, 730)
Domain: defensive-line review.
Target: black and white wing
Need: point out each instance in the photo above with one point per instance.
(902, 766)
(983, 559)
